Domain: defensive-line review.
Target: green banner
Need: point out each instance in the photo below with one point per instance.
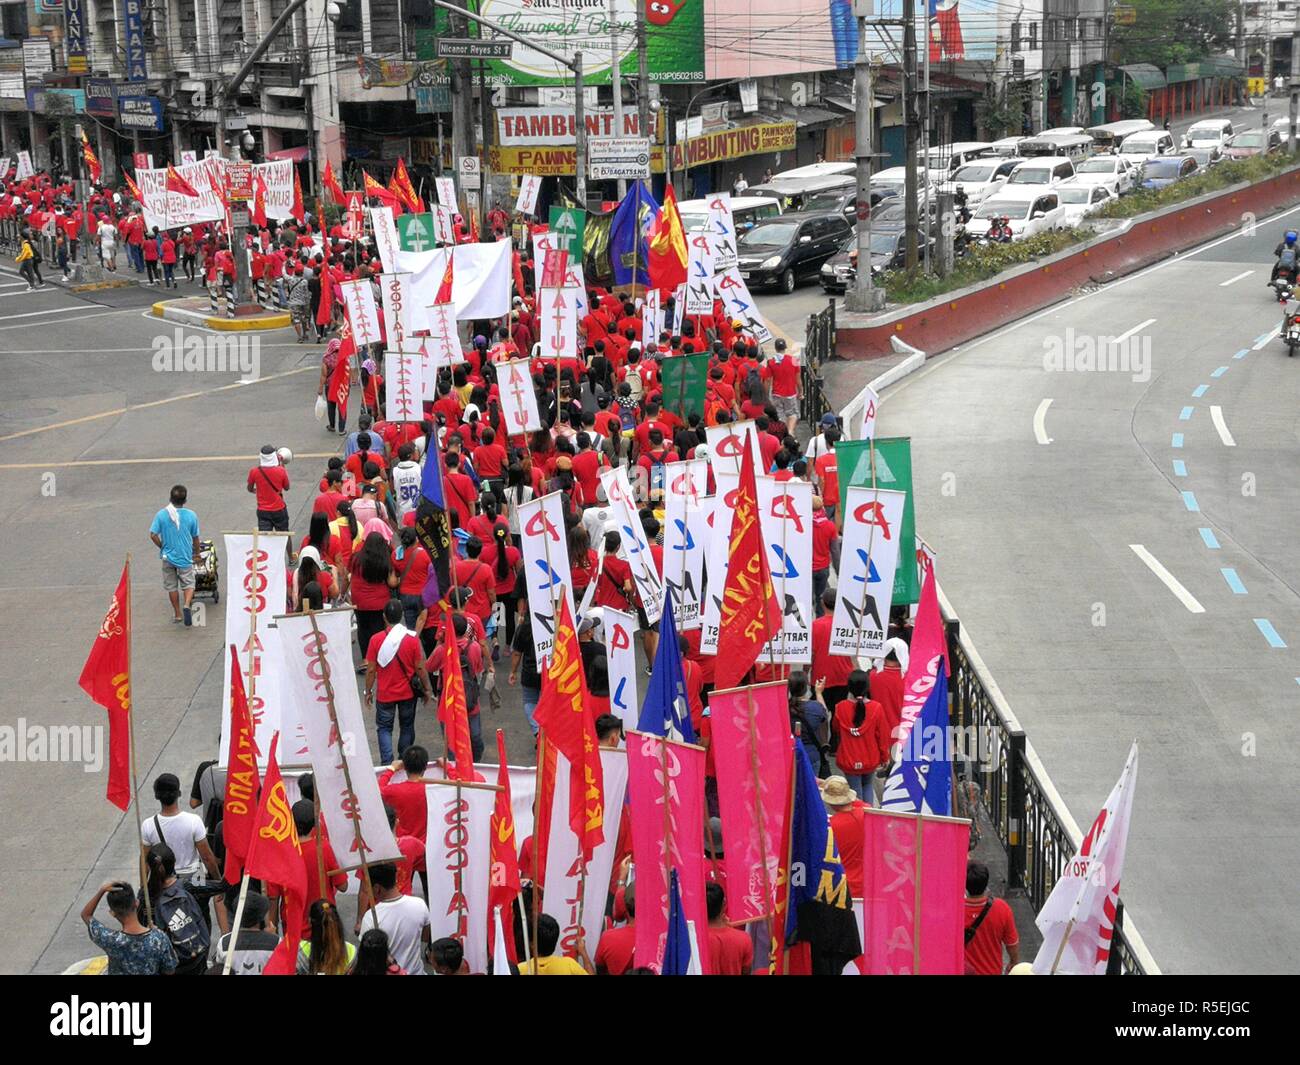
(893, 470)
(684, 379)
(415, 232)
(569, 224)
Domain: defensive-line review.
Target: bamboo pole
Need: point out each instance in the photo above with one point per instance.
(916, 899)
(135, 783)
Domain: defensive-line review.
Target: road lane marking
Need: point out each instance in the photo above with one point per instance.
(1211, 541)
(32, 325)
(1234, 582)
(1269, 633)
(1189, 501)
(1216, 416)
(153, 403)
(1219, 372)
(1177, 440)
(1180, 468)
(1231, 280)
(1168, 579)
(1040, 423)
(1124, 336)
(60, 310)
(1186, 414)
(1242, 353)
(1199, 391)
(151, 461)
(1261, 341)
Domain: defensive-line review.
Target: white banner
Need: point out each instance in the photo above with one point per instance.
(699, 272)
(740, 305)
(575, 282)
(458, 857)
(404, 387)
(870, 404)
(354, 817)
(445, 188)
(480, 286)
(686, 510)
(559, 313)
(278, 177)
(717, 554)
(442, 343)
(727, 444)
(620, 655)
(255, 593)
(399, 311)
(4, 167)
(645, 576)
(518, 398)
(444, 231)
(563, 896)
(873, 520)
(650, 320)
(542, 127)
(529, 186)
(545, 548)
(25, 168)
(385, 230)
(785, 520)
(722, 228)
(359, 300)
(679, 309)
(167, 210)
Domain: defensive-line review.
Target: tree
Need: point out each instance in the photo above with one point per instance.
(1000, 112)
(1175, 31)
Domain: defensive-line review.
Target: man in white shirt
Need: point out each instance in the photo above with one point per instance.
(404, 918)
(406, 480)
(181, 830)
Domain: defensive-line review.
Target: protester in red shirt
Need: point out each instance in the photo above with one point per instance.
(407, 797)
(269, 481)
(833, 669)
(393, 663)
(459, 490)
(846, 812)
(863, 729)
(475, 575)
(994, 926)
(825, 542)
(617, 948)
(731, 952)
(887, 682)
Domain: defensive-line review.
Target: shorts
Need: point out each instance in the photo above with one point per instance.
(786, 406)
(175, 577)
(273, 520)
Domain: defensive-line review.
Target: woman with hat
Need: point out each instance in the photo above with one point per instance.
(845, 812)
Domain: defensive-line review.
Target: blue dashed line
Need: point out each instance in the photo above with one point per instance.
(1242, 353)
(1177, 441)
(1211, 541)
(1234, 582)
(1264, 338)
(1186, 414)
(1200, 391)
(1219, 372)
(1180, 468)
(1270, 634)
(1189, 501)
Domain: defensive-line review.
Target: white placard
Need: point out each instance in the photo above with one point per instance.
(545, 548)
(559, 313)
(445, 188)
(359, 301)
(785, 520)
(686, 487)
(727, 443)
(873, 520)
(699, 272)
(650, 320)
(620, 655)
(645, 576)
(354, 816)
(529, 186)
(740, 305)
(870, 405)
(679, 308)
(277, 178)
(722, 228)
(444, 231)
(458, 857)
(717, 554)
(25, 168)
(189, 157)
(385, 230)
(399, 311)
(518, 398)
(166, 210)
(443, 341)
(404, 387)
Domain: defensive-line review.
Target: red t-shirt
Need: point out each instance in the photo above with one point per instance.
(490, 460)
(824, 535)
(863, 749)
(407, 798)
(271, 482)
(834, 669)
(828, 476)
(616, 949)
(474, 574)
(394, 683)
(846, 827)
(785, 377)
(768, 446)
(887, 690)
(461, 493)
(998, 929)
(609, 590)
(413, 568)
(504, 585)
(586, 471)
(356, 463)
(731, 952)
(327, 503)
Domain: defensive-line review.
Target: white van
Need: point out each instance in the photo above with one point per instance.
(984, 177)
(1110, 136)
(944, 160)
(1074, 146)
(1008, 145)
(1145, 145)
(745, 210)
(1208, 133)
(1046, 171)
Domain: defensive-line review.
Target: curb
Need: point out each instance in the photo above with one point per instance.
(914, 361)
(217, 323)
(99, 286)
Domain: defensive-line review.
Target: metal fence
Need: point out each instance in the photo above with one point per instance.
(819, 348)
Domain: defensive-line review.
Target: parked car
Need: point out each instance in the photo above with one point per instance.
(1142, 146)
(1027, 216)
(1252, 142)
(781, 251)
(895, 177)
(1080, 201)
(1047, 170)
(1008, 145)
(795, 187)
(1205, 156)
(984, 177)
(745, 212)
(888, 252)
(1165, 170)
(892, 214)
(1116, 173)
(1111, 135)
(843, 201)
(944, 160)
(1215, 132)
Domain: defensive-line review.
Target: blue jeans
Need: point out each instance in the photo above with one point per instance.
(532, 696)
(404, 712)
(862, 786)
(135, 252)
(844, 32)
(821, 579)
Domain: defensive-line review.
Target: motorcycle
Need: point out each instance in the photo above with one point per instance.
(1290, 321)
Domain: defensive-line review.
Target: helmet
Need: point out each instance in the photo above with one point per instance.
(1290, 236)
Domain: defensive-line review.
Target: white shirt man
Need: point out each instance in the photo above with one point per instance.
(405, 919)
(182, 832)
(406, 485)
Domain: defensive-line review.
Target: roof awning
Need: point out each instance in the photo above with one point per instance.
(297, 155)
(1146, 75)
(806, 117)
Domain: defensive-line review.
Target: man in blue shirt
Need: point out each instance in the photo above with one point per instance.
(175, 532)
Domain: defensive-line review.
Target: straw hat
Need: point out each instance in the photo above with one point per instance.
(836, 792)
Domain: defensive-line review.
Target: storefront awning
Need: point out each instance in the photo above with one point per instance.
(297, 155)
(1146, 75)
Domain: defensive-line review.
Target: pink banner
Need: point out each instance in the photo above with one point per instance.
(928, 645)
(666, 772)
(913, 888)
(751, 750)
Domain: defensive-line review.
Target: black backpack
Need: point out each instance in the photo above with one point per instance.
(470, 679)
(177, 913)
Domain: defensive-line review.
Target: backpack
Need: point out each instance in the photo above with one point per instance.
(657, 472)
(1287, 260)
(177, 913)
(753, 383)
(470, 679)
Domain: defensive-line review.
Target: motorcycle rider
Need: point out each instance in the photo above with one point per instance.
(1286, 254)
(999, 231)
(959, 199)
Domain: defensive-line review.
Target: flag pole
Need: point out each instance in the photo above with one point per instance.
(916, 898)
(871, 536)
(789, 845)
(347, 773)
(758, 810)
(135, 783)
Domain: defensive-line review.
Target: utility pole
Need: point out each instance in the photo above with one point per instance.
(579, 133)
(616, 84)
(462, 97)
(1291, 144)
(910, 132)
(642, 77)
(926, 141)
(1268, 63)
(863, 296)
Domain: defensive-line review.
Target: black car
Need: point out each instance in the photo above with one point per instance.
(845, 202)
(888, 252)
(781, 251)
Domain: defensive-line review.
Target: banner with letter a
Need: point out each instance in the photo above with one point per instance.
(686, 511)
(317, 663)
(545, 549)
(620, 652)
(785, 518)
(873, 524)
(717, 555)
(645, 575)
(255, 590)
(518, 398)
(458, 857)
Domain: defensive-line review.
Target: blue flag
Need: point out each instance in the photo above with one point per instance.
(666, 711)
(922, 780)
(432, 527)
(627, 235)
(678, 956)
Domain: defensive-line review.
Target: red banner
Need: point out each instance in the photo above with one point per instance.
(751, 752)
(242, 782)
(106, 678)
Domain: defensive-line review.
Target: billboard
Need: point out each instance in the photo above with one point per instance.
(761, 38)
(674, 38)
(958, 30)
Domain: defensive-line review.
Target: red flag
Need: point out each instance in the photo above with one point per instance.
(93, 169)
(373, 188)
(399, 201)
(564, 712)
(325, 312)
(106, 678)
(750, 613)
(297, 210)
(332, 186)
(517, 267)
(504, 885)
(452, 711)
(175, 183)
(666, 246)
(242, 780)
(258, 213)
(402, 187)
(132, 187)
(444, 286)
(275, 856)
(341, 381)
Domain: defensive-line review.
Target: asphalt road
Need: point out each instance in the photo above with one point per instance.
(1121, 548)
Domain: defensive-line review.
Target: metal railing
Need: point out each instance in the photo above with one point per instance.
(819, 348)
